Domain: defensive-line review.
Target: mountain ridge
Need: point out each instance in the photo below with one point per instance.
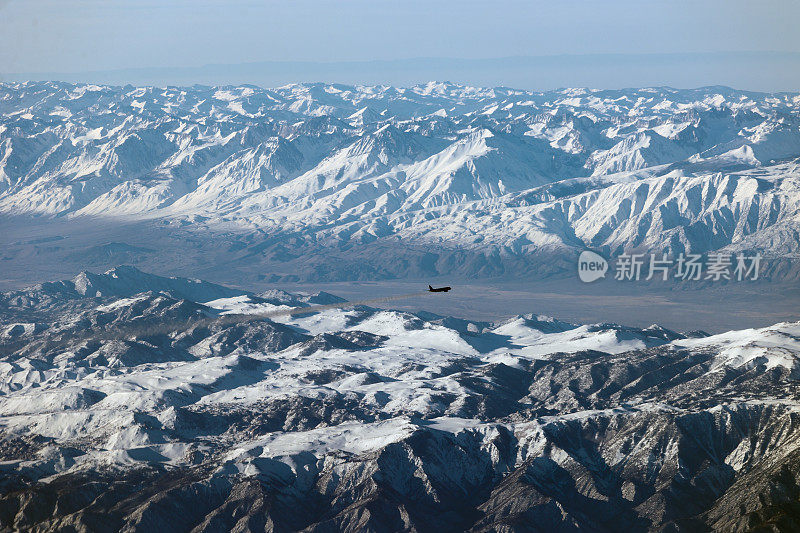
(497, 172)
(382, 419)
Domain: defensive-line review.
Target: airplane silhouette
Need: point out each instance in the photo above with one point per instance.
(440, 289)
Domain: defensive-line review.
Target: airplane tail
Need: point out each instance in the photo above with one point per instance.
(430, 288)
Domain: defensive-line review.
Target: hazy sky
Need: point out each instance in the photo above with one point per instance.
(90, 35)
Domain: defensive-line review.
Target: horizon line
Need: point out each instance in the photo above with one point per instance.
(311, 62)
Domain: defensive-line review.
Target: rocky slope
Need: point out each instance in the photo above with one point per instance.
(137, 403)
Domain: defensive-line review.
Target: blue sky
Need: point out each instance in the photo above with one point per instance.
(71, 36)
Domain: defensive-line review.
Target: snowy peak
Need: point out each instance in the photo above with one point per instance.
(125, 281)
(768, 348)
(121, 282)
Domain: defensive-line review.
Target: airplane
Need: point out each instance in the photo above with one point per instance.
(440, 289)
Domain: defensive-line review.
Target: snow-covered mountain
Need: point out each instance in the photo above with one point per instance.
(134, 402)
(499, 173)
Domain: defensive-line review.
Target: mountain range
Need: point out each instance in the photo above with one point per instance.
(327, 181)
(134, 402)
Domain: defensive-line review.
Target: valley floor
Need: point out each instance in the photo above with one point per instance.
(35, 250)
(712, 308)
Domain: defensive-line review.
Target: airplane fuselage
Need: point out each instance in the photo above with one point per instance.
(440, 289)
